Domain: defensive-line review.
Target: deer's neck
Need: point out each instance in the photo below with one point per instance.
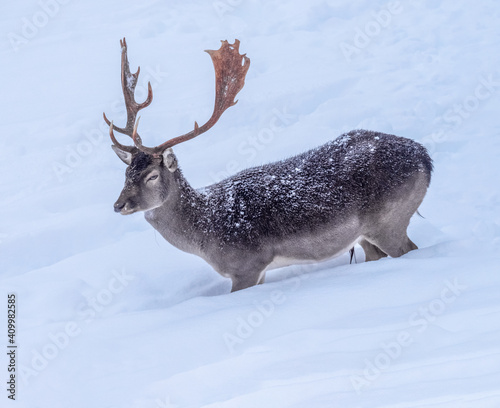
(176, 220)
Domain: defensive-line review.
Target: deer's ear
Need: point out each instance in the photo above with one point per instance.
(170, 160)
(124, 156)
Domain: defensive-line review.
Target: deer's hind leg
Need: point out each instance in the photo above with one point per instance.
(390, 237)
(390, 244)
(372, 252)
(388, 230)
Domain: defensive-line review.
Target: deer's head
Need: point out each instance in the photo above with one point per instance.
(148, 180)
(151, 170)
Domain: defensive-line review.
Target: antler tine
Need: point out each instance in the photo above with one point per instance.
(129, 82)
(230, 71)
(130, 149)
(127, 130)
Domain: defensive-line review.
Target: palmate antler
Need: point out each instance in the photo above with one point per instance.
(230, 71)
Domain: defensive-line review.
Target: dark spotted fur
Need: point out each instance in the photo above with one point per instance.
(355, 172)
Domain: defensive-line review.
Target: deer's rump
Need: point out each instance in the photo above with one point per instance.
(351, 174)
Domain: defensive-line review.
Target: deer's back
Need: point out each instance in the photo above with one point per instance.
(352, 174)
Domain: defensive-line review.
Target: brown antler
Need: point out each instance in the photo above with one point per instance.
(129, 82)
(230, 71)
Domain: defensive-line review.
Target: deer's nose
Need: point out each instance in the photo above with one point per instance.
(119, 206)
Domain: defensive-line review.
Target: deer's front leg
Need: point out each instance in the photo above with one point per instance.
(240, 283)
(245, 268)
(243, 281)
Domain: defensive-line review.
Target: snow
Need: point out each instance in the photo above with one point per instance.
(110, 315)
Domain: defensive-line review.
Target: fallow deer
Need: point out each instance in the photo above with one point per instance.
(363, 187)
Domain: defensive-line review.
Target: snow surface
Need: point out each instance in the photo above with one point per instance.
(110, 315)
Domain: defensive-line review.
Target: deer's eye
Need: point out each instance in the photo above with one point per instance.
(152, 178)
